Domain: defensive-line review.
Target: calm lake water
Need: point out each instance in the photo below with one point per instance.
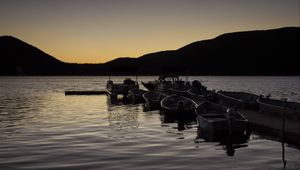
(41, 128)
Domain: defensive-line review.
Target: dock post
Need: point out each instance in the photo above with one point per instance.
(283, 133)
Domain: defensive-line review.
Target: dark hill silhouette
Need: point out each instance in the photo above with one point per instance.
(252, 52)
(270, 52)
(18, 57)
(264, 52)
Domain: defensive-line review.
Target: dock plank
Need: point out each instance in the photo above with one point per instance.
(100, 92)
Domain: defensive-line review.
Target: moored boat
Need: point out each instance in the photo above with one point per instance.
(241, 100)
(152, 100)
(127, 85)
(149, 85)
(196, 98)
(217, 121)
(178, 104)
(198, 89)
(115, 89)
(165, 82)
(279, 107)
(136, 95)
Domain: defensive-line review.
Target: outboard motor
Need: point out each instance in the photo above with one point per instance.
(196, 84)
(230, 112)
(109, 84)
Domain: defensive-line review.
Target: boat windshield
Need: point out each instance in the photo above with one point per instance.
(168, 78)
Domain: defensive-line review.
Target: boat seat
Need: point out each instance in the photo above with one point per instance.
(213, 115)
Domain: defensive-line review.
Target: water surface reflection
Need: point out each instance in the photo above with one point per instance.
(43, 129)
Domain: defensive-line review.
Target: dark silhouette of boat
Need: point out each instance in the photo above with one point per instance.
(198, 89)
(198, 93)
(178, 104)
(279, 107)
(217, 121)
(121, 87)
(152, 100)
(115, 89)
(136, 95)
(149, 85)
(242, 100)
(165, 82)
(196, 98)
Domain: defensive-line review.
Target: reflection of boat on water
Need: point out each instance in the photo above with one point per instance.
(242, 100)
(279, 107)
(122, 118)
(152, 100)
(229, 143)
(216, 121)
(173, 118)
(183, 122)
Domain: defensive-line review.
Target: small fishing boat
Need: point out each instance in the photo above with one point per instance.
(165, 82)
(127, 85)
(209, 95)
(198, 89)
(217, 121)
(162, 84)
(136, 95)
(196, 98)
(115, 89)
(177, 104)
(241, 100)
(179, 92)
(149, 85)
(279, 107)
(152, 100)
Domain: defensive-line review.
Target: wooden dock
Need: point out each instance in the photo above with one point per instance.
(272, 126)
(262, 123)
(100, 92)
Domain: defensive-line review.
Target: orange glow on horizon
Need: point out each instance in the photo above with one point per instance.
(100, 31)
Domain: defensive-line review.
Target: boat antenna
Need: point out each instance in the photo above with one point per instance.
(136, 77)
(186, 76)
(229, 147)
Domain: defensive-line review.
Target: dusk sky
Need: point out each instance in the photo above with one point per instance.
(95, 31)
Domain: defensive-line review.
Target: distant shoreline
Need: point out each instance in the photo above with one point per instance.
(133, 75)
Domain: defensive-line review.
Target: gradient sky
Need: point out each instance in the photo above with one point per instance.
(95, 31)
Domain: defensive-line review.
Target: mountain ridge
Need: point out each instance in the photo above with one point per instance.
(258, 52)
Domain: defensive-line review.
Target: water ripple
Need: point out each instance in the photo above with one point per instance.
(40, 128)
